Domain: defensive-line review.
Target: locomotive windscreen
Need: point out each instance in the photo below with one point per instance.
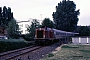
(40, 34)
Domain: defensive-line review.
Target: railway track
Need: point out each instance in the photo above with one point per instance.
(12, 54)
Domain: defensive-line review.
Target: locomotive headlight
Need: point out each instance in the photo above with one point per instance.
(35, 36)
(44, 36)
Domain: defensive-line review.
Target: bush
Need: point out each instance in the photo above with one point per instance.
(12, 44)
(28, 38)
(50, 55)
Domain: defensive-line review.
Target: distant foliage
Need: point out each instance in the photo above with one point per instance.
(13, 29)
(5, 15)
(48, 23)
(31, 29)
(83, 30)
(66, 17)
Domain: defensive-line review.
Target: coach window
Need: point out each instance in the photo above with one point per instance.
(56, 33)
(59, 33)
(63, 33)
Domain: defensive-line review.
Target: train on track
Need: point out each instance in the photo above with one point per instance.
(48, 35)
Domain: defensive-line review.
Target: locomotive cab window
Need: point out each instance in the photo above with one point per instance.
(39, 33)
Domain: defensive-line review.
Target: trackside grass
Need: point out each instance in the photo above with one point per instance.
(70, 52)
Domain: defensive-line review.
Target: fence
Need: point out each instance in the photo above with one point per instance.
(81, 40)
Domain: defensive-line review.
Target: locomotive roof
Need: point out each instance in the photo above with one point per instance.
(44, 28)
(56, 30)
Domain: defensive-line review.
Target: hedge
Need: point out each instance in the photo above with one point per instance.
(12, 44)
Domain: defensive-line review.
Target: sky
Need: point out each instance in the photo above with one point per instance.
(23, 10)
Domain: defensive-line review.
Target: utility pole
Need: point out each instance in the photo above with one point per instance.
(41, 16)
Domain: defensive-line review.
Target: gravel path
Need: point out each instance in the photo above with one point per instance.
(38, 54)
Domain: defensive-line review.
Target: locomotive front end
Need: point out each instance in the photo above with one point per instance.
(44, 35)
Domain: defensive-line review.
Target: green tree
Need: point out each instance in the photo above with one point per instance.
(48, 23)
(66, 17)
(13, 29)
(84, 31)
(31, 29)
(5, 15)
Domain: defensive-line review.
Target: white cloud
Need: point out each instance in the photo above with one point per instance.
(25, 9)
